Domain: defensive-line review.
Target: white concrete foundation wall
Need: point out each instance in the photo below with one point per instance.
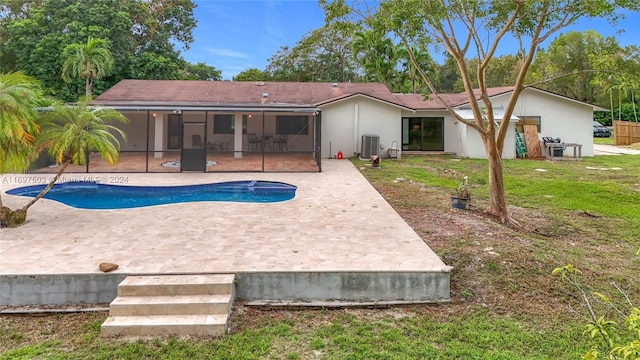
(344, 286)
(58, 289)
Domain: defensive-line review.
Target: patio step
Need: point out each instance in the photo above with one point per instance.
(171, 305)
(158, 285)
(169, 325)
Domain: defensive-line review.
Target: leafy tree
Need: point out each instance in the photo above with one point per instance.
(502, 71)
(88, 61)
(448, 79)
(410, 73)
(476, 29)
(602, 330)
(252, 74)
(152, 66)
(568, 67)
(623, 81)
(33, 35)
(323, 54)
(624, 112)
(70, 132)
(19, 97)
(377, 55)
(202, 71)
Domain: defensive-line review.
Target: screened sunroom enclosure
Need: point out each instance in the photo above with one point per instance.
(214, 140)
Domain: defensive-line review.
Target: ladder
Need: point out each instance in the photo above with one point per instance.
(521, 148)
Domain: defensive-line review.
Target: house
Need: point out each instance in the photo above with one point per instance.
(292, 126)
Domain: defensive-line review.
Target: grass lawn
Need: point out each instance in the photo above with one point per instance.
(603, 140)
(505, 302)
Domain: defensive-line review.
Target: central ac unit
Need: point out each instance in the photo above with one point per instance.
(369, 146)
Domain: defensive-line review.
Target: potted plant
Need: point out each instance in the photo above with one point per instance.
(461, 195)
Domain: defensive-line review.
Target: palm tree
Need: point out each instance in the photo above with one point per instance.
(377, 55)
(89, 61)
(410, 69)
(70, 132)
(19, 98)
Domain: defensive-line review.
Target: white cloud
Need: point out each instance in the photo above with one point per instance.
(226, 53)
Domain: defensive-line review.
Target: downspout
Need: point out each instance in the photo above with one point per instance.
(356, 117)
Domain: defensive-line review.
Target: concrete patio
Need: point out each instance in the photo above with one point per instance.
(337, 240)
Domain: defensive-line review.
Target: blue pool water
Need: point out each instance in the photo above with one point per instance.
(92, 195)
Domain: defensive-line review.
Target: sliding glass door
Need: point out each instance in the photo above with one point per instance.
(423, 134)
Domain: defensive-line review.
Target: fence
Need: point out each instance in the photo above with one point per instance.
(626, 132)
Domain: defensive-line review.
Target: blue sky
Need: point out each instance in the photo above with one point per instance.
(237, 35)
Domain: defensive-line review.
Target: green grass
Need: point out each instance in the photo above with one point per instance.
(603, 140)
(344, 335)
(592, 185)
(505, 306)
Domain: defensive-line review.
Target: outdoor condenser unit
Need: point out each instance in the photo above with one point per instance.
(370, 145)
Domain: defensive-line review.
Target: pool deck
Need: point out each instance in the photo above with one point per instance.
(337, 225)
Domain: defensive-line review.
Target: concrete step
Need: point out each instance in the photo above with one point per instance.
(160, 285)
(157, 305)
(159, 325)
(170, 305)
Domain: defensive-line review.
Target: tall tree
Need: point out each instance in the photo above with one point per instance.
(33, 35)
(568, 66)
(89, 62)
(252, 74)
(70, 133)
(19, 98)
(324, 54)
(377, 55)
(410, 73)
(448, 77)
(201, 71)
(476, 29)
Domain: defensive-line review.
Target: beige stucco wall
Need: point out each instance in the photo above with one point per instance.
(136, 130)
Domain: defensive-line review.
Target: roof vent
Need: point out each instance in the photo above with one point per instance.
(259, 83)
(334, 85)
(265, 95)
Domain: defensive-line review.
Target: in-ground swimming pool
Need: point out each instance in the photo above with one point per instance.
(92, 195)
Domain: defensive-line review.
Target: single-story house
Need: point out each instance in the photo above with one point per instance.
(292, 126)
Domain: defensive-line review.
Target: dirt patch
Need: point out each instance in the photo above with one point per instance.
(499, 268)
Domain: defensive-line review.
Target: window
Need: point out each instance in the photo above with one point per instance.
(225, 124)
(292, 125)
(528, 120)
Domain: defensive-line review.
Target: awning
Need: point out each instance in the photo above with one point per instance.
(498, 114)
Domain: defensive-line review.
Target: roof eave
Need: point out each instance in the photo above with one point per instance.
(350, 96)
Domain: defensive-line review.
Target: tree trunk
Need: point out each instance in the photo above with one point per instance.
(46, 189)
(497, 198)
(12, 218)
(87, 88)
